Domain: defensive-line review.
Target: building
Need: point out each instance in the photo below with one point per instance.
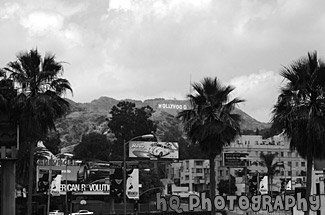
(294, 166)
(194, 173)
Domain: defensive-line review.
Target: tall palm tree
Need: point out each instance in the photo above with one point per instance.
(267, 160)
(211, 122)
(300, 109)
(38, 102)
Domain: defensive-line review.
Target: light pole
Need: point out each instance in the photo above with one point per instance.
(146, 136)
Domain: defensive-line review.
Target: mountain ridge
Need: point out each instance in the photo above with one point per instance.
(92, 116)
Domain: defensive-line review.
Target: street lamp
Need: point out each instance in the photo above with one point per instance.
(146, 136)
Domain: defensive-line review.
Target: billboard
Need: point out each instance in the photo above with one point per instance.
(88, 178)
(164, 150)
(234, 160)
(132, 179)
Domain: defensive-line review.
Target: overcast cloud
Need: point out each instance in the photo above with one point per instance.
(153, 48)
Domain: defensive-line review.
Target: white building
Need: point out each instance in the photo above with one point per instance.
(194, 173)
(294, 166)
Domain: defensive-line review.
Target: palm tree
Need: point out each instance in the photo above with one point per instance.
(300, 109)
(211, 122)
(267, 160)
(38, 102)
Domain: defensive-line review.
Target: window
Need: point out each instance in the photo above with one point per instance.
(282, 173)
(187, 177)
(297, 164)
(289, 173)
(282, 154)
(220, 172)
(199, 163)
(199, 171)
(303, 164)
(289, 163)
(289, 154)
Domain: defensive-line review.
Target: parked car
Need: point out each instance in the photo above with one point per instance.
(56, 212)
(93, 170)
(82, 212)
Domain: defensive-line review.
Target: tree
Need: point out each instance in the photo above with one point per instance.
(210, 121)
(38, 103)
(300, 109)
(150, 182)
(271, 166)
(52, 142)
(223, 186)
(93, 146)
(127, 122)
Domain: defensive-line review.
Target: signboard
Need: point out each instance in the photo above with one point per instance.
(91, 177)
(56, 185)
(132, 181)
(132, 185)
(234, 160)
(164, 150)
(87, 178)
(264, 185)
(173, 106)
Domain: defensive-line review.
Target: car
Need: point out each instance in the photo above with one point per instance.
(56, 212)
(90, 171)
(82, 212)
(159, 150)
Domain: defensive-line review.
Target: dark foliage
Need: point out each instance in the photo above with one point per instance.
(127, 122)
(223, 186)
(93, 146)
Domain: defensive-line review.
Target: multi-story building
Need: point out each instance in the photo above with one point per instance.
(194, 173)
(254, 145)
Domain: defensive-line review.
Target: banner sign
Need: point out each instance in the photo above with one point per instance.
(264, 185)
(87, 178)
(234, 160)
(164, 150)
(132, 185)
(56, 186)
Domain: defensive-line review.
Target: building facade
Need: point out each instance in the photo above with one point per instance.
(194, 173)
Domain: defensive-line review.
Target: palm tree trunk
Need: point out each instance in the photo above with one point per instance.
(212, 181)
(30, 179)
(308, 180)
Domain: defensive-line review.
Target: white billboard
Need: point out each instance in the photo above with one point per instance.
(140, 149)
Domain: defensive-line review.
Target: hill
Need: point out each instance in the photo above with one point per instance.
(88, 117)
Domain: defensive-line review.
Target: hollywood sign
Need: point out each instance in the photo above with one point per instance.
(172, 106)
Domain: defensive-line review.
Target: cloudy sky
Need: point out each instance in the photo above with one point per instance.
(146, 49)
